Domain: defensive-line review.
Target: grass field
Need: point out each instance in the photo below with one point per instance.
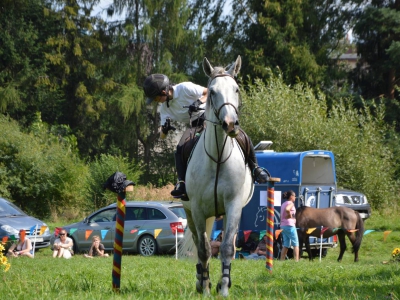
(163, 277)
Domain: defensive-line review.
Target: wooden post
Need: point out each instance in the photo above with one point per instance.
(119, 238)
(270, 222)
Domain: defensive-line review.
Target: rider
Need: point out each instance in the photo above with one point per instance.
(185, 102)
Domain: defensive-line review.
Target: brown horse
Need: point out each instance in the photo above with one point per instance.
(339, 220)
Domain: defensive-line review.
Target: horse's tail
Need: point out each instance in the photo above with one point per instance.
(359, 233)
(186, 247)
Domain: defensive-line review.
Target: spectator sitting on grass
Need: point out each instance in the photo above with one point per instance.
(97, 248)
(23, 247)
(63, 246)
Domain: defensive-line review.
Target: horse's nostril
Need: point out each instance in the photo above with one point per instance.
(237, 123)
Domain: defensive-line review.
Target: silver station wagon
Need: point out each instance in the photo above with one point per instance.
(13, 219)
(149, 228)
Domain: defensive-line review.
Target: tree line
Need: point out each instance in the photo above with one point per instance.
(71, 84)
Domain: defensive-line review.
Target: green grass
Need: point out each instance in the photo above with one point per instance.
(162, 277)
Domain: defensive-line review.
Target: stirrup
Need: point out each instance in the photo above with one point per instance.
(180, 189)
(257, 172)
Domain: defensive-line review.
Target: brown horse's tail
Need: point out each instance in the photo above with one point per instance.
(359, 233)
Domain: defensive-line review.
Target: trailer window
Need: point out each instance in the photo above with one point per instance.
(318, 170)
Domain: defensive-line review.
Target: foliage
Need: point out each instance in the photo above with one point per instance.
(4, 264)
(378, 44)
(39, 173)
(100, 169)
(298, 37)
(296, 119)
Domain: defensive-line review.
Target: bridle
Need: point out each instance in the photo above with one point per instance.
(219, 160)
(214, 109)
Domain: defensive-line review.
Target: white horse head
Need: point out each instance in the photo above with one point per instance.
(223, 96)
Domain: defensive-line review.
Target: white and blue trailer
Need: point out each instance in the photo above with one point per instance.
(310, 174)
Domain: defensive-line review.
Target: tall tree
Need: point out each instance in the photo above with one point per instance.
(23, 35)
(297, 36)
(163, 40)
(378, 42)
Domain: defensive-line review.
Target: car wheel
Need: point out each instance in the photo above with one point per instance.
(147, 246)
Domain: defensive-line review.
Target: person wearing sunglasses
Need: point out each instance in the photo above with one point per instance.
(63, 245)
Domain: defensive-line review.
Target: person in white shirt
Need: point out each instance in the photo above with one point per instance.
(63, 245)
(185, 102)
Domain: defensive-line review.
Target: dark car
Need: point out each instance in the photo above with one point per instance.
(149, 228)
(13, 219)
(354, 200)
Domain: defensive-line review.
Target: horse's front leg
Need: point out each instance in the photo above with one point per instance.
(227, 250)
(203, 284)
(307, 243)
(342, 242)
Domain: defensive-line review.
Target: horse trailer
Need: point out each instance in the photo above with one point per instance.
(310, 174)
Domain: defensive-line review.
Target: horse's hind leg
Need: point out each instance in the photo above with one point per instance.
(352, 239)
(342, 242)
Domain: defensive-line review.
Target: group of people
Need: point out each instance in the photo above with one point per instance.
(62, 247)
(289, 234)
(63, 244)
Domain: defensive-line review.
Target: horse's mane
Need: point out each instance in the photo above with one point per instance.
(301, 208)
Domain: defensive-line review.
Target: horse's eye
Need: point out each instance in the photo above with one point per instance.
(212, 92)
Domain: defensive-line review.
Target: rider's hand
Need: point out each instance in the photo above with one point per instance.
(195, 106)
(167, 126)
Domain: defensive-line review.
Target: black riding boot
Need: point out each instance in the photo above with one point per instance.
(260, 174)
(180, 188)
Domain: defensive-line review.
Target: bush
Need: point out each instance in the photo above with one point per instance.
(100, 170)
(39, 174)
(296, 119)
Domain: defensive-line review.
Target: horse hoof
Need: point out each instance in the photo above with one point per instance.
(199, 288)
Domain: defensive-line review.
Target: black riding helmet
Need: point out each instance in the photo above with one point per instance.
(154, 85)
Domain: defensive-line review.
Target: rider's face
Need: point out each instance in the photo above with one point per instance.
(160, 98)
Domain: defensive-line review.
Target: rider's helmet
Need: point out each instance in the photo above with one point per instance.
(154, 85)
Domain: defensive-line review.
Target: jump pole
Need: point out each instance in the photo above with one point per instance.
(119, 237)
(270, 222)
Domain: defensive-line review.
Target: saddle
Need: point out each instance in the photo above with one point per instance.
(191, 141)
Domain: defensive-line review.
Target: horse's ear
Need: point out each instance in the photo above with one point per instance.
(235, 68)
(208, 69)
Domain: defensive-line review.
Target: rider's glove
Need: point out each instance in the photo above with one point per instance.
(194, 107)
(167, 126)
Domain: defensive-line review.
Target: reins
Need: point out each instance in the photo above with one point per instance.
(219, 160)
